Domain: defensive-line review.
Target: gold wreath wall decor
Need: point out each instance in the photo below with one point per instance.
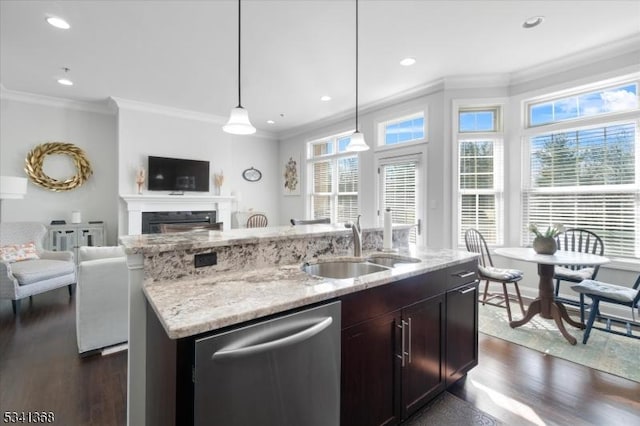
(35, 161)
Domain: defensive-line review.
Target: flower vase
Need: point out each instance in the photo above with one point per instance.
(545, 245)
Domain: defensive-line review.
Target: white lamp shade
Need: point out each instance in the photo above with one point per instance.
(239, 123)
(12, 187)
(357, 142)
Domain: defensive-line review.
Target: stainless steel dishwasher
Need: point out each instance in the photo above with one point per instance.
(282, 371)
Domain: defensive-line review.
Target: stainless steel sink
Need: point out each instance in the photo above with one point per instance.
(391, 260)
(342, 269)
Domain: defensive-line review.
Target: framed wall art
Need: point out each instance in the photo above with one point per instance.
(292, 176)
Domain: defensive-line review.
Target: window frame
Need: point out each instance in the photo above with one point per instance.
(381, 127)
(576, 92)
(582, 123)
(497, 105)
(333, 158)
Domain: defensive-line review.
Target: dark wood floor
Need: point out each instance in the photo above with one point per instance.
(40, 370)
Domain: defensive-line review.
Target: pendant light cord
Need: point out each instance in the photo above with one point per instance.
(356, 65)
(239, 44)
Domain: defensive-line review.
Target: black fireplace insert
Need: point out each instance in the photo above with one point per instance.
(151, 221)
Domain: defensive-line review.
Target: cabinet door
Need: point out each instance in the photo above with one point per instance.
(370, 372)
(423, 371)
(462, 331)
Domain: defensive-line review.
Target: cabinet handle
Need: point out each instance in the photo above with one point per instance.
(468, 289)
(465, 274)
(409, 340)
(402, 352)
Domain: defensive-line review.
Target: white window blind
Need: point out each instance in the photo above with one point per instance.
(586, 178)
(400, 192)
(480, 188)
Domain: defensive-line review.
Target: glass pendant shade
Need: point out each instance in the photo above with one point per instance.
(239, 123)
(357, 143)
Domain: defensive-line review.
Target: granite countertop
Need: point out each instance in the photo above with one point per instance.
(156, 243)
(192, 306)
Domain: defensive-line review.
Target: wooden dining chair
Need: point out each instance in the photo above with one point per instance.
(184, 227)
(309, 221)
(476, 243)
(576, 240)
(257, 220)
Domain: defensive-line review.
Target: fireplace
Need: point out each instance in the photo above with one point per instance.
(151, 221)
(136, 204)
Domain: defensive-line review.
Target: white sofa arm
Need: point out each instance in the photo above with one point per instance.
(8, 283)
(102, 314)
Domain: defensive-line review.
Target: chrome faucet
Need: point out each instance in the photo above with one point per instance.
(357, 237)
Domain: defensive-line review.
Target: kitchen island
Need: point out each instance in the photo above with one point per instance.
(257, 274)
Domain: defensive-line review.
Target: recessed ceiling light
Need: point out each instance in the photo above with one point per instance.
(54, 21)
(65, 82)
(407, 62)
(534, 21)
(325, 98)
(271, 122)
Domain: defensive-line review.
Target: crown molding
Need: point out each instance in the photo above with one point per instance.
(99, 107)
(404, 96)
(579, 59)
(476, 81)
(127, 104)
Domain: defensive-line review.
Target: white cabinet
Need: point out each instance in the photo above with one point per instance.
(71, 236)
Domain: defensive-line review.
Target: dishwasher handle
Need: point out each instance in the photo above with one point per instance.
(225, 354)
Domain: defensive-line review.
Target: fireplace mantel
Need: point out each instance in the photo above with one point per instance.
(138, 203)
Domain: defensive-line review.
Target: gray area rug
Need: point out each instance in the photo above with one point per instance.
(604, 351)
(449, 410)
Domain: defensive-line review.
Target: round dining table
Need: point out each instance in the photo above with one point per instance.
(545, 304)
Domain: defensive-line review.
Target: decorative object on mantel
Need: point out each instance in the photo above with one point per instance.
(252, 174)
(291, 180)
(545, 243)
(140, 178)
(239, 123)
(218, 180)
(35, 161)
(357, 142)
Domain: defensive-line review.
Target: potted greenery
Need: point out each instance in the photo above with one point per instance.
(545, 243)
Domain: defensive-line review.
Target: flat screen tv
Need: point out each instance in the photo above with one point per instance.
(177, 174)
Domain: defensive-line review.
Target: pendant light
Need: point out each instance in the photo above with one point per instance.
(239, 123)
(356, 142)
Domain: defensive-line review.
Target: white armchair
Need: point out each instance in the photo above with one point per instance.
(102, 307)
(49, 270)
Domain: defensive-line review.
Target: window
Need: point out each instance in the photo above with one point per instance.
(603, 101)
(399, 184)
(585, 176)
(480, 165)
(478, 120)
(334, 180)
(402, 130)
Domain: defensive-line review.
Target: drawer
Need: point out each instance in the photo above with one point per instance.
(462, 274)
(374, 302)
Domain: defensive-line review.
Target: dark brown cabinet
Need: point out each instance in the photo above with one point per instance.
(422, 374)
(461, 326)
(405, 342)
(370, 372)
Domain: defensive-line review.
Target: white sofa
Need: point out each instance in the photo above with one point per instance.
(102, 313)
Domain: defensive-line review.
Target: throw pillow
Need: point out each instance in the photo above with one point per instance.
(18, 252)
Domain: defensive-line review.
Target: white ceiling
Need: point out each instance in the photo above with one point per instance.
(183, 54)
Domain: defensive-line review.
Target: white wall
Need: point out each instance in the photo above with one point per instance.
(27, 121)
(145, 130)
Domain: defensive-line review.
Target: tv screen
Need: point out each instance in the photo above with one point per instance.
(177, 174)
